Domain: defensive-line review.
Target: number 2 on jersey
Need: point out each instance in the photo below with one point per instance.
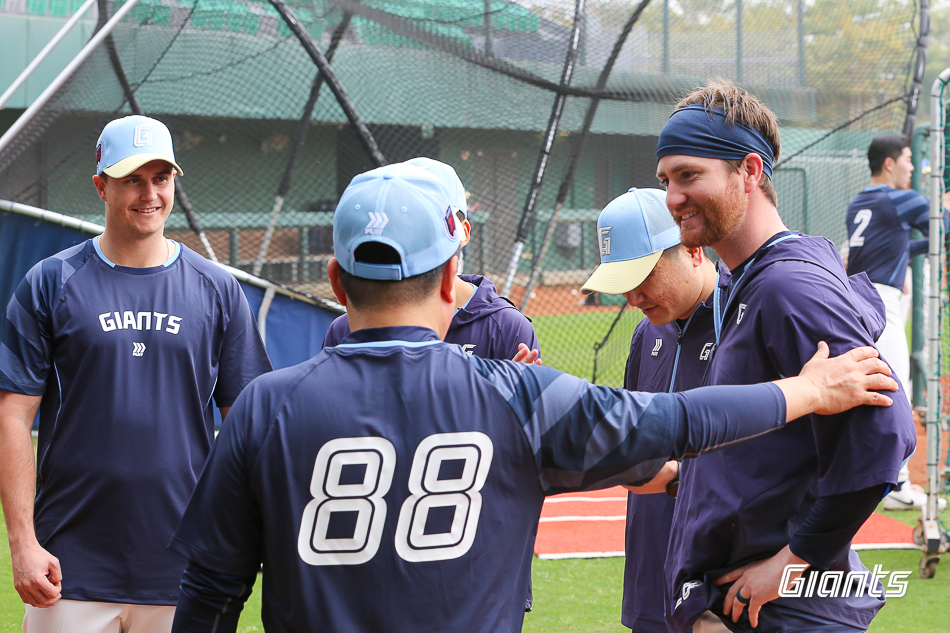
(343, 523)
(862, 218)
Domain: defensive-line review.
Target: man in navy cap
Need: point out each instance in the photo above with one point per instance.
(394, 482)
(757, 514)
(641, 258)
(121, 343)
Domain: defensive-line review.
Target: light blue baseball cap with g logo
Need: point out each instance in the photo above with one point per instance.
(128, 143)
(404, 207)
(633, 230)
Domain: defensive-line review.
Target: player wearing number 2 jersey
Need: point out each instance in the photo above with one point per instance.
(393, 482)
(879, 223)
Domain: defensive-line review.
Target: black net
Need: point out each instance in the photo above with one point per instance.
(472, 83)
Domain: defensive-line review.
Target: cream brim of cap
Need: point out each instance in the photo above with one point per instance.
(127, 165)
(616, 278)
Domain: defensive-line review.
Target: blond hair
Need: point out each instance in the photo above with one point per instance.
(739, 106)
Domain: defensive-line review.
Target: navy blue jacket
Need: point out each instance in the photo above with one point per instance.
(745, 502)
(670, 358)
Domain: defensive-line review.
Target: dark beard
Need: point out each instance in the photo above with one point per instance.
(723, 215)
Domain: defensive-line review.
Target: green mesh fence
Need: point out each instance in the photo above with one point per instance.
(471, 83)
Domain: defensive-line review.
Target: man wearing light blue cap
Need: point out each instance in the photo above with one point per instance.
(485, 324)
(642, 259)
(394, 482)
(121, 343)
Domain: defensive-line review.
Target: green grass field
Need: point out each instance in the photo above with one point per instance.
(584, 596)
(568, 340)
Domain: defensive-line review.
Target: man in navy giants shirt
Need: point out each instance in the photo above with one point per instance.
(121, 343)
(642, 258)
(879, 222)
(394, 482)
(797, 496)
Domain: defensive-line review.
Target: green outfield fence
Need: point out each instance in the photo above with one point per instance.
(499, 89)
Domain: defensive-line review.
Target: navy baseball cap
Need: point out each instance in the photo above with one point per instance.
(403, 206)
(128, 143)
(633, 230)
(445, 173)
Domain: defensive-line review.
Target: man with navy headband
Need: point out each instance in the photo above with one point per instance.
(747, 514)
(394, 482)
(123, 343)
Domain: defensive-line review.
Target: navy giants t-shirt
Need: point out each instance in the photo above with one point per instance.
(394, 483)
(488, 326)
(743, 503)
(128, 361)
(668, 358)
(879, 221)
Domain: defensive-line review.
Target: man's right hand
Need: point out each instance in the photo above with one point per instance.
(527, 355)
(37, 576)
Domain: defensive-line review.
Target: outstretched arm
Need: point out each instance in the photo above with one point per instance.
(36, 573)
(831, 385)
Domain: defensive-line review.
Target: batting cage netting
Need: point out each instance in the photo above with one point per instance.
(547, 109)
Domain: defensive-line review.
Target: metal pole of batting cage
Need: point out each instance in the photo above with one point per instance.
(919, 64)
(284, 187)
(43, 54)
(333, 82)
(579, 142)
(65, 74)
(932, 531)
(527, 215)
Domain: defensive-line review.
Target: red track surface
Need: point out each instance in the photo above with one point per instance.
(591, 524)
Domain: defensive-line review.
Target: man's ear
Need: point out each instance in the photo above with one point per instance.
(466, 232)
(696, 256)
(752, 170)
(100, 184)
(333, 273)
(447, 285)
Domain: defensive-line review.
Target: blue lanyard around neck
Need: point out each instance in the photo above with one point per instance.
(719, 310)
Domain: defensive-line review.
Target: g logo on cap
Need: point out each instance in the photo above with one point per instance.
(142, 136)
(605, 240)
